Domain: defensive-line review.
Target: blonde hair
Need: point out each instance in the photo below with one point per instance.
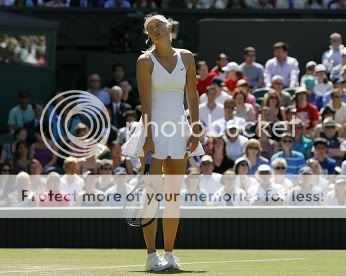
(279, 161)
(168, 21)
(70, 160)
(253, 142)
(80, 128)
(237, 92)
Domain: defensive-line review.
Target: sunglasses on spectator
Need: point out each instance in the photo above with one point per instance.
(276, 98)
(254, 148)
(206, 163)
(278, 83)
(287, 141)
(265, 173)
(280, 168)
(243, 164)
(106, 168)
(330, 127)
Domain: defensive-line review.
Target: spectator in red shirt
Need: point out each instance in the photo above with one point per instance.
(221, 61)
(306, 111)
(233, 75)
(203, 77)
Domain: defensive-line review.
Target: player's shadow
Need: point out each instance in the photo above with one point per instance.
(172, 271)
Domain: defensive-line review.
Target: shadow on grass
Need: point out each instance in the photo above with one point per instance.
(172, 271)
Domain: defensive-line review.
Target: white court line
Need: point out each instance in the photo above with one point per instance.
(142, 265)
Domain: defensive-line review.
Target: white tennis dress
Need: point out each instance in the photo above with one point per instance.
(170, 129)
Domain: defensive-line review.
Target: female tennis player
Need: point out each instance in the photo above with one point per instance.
(163, 75)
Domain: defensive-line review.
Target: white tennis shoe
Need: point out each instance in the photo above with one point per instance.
(172, 260)
(155, 262)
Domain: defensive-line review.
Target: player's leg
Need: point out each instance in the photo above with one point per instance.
(174, 170)
(149, 231)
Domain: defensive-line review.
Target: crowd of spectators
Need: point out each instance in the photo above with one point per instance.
(267, 128)
(191, 4)
(29, 49)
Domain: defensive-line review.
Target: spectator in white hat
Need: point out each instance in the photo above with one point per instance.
(283, 65)
(309, 72)
(277, 84)
(332, 57)
(241, 169)
(210, 181)
(323, 85)
(266, 192)
(336, 144)
(233, 74)
(306, 111)
(336, 71)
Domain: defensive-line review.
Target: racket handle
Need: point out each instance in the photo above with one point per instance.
(147, 163)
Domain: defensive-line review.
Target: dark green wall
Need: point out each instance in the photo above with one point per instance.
(193, 233)
(38, 81)
(307, 39)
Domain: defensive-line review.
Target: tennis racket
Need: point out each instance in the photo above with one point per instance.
(139, 211)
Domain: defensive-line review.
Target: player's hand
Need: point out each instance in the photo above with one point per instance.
(192, 143)
(149, 145)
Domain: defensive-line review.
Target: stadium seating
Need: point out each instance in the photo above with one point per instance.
(259, 94)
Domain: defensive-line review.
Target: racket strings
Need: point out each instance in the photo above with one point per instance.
(141, 205)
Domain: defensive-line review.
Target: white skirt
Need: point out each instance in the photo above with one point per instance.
(173, 146)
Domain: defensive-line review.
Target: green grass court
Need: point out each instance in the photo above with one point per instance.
(194, 262)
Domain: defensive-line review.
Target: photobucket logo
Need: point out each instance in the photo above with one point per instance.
(61, 115)
(232, 128)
